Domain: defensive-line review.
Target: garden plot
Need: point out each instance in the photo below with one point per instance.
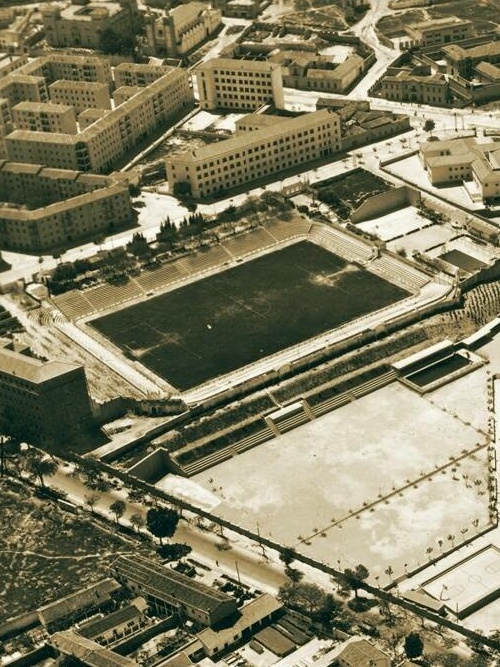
(301, 486)
(395, 224)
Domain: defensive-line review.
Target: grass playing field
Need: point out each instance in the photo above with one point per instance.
(218, 324)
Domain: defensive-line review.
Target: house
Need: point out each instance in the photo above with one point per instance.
(363, 654)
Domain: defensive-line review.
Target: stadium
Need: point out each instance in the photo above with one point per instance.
(253, 307)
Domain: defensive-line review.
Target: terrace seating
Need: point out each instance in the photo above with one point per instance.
(350, 248)
(282, 231)
(165, 275)
(73, 304)
(202, 261)
(228, 451)
(106, 296)
(253, 241)
(399, 273)
(361, 390)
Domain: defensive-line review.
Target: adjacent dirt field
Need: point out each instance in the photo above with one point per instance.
(47, 553)
(218, 324)
(364, 483)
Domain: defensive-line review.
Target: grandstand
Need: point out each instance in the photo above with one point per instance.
(341, 243)
(399, 273)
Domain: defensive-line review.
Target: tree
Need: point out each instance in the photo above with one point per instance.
(328, 611)
(353, 579)
(182, 189)
(137, 520)
(429, 125)
(118, 509)
(162, 522)
(40, 465)
(287, 555)
(413, 645)
(91, 500)
(306, 597)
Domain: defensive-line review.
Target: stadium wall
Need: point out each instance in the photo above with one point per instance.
(385, 202)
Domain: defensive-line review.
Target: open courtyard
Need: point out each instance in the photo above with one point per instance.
(228, 320)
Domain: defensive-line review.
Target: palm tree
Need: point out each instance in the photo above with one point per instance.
(389, 572)
(118, 509)
(137, 520)
(40, 466)
(451, 538)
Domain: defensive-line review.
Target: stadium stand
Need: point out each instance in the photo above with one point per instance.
(344, 245)
(248, 243)
(73, 304)
(399, 273)
(282, 231)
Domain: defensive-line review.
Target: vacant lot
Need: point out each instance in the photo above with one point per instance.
(216, 325)
(46, 553)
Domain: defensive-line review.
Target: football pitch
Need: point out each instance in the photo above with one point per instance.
(221, 323)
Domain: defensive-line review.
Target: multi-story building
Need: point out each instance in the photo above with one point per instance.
(71, 68)
(253, 155)
(309, 71)
(15, 25)
(406, 86)
(239, 84)
(80, 95)
(9, 63)
(475, 165)
(82, 23)
(438, 31)
(20, 87)
(46, 402)
(181, 29)
(99, 145)
(44, 117)
(137, 74)
(169, 591)
(49, 209)
(462, 61)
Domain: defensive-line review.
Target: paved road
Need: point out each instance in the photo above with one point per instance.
(243, 559)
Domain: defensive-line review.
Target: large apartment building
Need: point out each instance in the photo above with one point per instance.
(46, 402)
(48, 209)
(80, 95)
(82, 23)
(245, 85)
(252, 155)
(54, 67)
(44, 117)
(181, 29)
(99, 145)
